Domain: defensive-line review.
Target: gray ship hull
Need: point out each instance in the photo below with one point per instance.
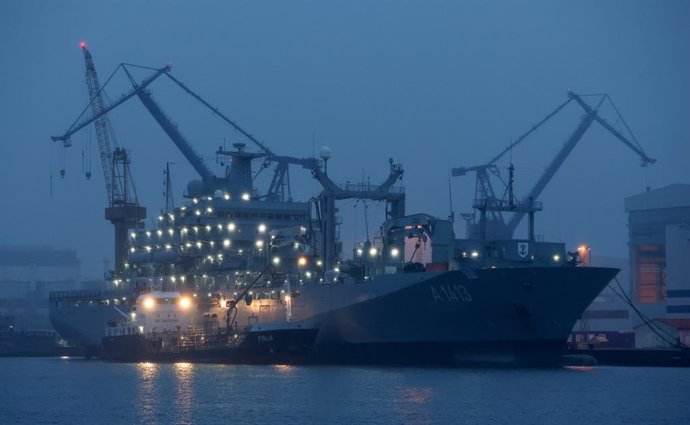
(80, 317)
(513, 316)
(508, 316)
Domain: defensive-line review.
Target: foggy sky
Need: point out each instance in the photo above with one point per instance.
(433, 85)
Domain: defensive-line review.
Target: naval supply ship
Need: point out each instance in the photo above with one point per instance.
(238, 275)
(231, 277)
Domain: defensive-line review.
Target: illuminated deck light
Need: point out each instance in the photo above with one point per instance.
(149, 303)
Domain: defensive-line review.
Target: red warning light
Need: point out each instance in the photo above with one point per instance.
(82, 44)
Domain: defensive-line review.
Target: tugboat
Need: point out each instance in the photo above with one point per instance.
(170, 327)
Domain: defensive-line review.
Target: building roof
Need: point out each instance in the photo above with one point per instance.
(672, 196)
(37, 255)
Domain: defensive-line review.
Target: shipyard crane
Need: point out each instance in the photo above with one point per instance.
(280, 180)
(123, 209)
(485, 198)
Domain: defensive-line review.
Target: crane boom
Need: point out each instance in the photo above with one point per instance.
(550, 171)
(530, 131)
(634, 146)
(174, 133)
(590, 116)
(76, 127)
(112, 188)
(221, 115)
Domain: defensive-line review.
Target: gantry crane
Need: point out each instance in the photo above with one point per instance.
(492, 207)
(123, 209)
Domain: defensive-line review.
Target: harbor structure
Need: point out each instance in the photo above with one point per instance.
(663, 333)
(659, 246)
(607, 321)
(27, 275)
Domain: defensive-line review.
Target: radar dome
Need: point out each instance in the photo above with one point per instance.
(325, 153)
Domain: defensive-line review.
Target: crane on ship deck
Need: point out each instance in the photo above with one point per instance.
(492, 223)
(123, 209)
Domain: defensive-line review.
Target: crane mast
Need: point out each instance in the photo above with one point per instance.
(123, 209)
(111, 187)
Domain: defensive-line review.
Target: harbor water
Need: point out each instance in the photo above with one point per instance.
(77, 391)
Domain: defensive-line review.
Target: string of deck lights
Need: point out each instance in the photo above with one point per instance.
(211, 242)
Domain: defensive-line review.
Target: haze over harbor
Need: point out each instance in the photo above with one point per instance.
(433, 86)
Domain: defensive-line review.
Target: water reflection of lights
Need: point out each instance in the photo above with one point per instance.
(183, 368)
(416, 395)
(184, 394)
(148, 397)
(283, 368)
(413, 405)
(147, 370)
(580, 368)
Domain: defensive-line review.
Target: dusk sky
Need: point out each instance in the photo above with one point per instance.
(433, 85)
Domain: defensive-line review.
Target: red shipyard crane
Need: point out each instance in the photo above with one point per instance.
(123, 208)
